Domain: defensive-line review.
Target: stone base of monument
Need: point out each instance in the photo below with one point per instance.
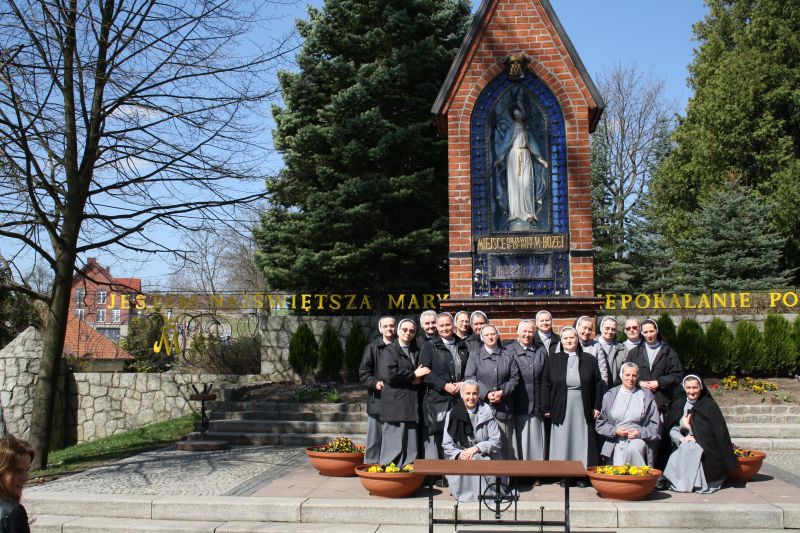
(517, 308)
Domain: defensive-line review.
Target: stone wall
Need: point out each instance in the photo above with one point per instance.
(107, 403)
(19, 366)
(278, 330)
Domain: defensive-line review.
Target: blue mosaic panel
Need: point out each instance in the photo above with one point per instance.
(556, 221)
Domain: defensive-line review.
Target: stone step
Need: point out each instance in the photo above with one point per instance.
(87, 524)
(759, 408)
(282, 439)
(320, 407)
(766, 418)
(286, 426)
(766, 444)
(310, 416)
(764, 431)
(244, 514)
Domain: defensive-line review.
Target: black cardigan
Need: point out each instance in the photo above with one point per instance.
(554, 386)
(711, 433)
(400, 396)
(667, 370)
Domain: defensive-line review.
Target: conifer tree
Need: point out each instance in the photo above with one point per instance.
(749, 348)
(743, 121)
(730, 247)
(362, 201)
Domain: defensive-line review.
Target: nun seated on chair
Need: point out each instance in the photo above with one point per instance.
(629, 421)
(471, 433)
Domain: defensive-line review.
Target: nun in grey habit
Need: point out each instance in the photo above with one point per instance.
(629, 422)
(471, 434)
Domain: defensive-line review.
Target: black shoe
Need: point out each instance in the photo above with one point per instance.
(662, 483)
(442, 482)
(581, 484)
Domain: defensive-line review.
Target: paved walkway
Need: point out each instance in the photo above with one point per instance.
(282, 471)
(273, 489)
(239, 471)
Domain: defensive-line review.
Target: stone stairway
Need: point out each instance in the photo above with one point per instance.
(287, 423)
(762, 427)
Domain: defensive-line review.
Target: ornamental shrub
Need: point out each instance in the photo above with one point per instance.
(690, 345)
(353, 350)
(720, 349)
(749, 348)
(796, 337)
(666, 327)
(781, 350)
(331, 355)
(303, 352)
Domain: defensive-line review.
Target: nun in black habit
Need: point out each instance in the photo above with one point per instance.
(704, 452)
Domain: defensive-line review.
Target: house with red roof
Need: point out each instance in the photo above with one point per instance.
(97, 352)
(104, 303)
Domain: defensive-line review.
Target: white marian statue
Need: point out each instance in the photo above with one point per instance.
(522, 157)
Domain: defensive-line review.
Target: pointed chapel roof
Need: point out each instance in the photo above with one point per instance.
(472, 34)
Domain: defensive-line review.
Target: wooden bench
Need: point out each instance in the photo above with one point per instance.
(566, 471)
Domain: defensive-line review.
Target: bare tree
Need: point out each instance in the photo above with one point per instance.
(627, 147)
(118, 117)
(220, 260)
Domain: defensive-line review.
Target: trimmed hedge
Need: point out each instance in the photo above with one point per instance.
(331, 354)
(720, 349)
(303, 352)
(690, 344)
(353, 350)
(781, 350)
(749, 348)
(666, 328)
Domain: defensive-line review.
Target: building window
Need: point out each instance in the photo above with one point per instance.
(101, 315)
(79, 294)
(101, 297)
(115, 314)
(109, 333)
(79, 313)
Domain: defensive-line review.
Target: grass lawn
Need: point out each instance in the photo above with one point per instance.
(109, 449)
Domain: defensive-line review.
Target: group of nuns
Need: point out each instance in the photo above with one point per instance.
(455, 391)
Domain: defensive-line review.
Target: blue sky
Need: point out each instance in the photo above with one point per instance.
(656, 35)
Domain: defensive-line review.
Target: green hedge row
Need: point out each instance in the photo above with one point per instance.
(325, 359)
(746, 350)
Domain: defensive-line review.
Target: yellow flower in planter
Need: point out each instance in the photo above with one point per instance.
(624, 470)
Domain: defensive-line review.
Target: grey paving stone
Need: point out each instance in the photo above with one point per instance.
(282, 527)
(50, 523)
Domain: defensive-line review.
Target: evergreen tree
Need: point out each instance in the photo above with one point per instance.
(749, 348)
(331, 355)
(666, 328)
(730, 247)
(303, 352)
(353, 350)
(690, 345)
(781, 350)
(362, 201)
(796, 337)
(720, 348)
(743, 121)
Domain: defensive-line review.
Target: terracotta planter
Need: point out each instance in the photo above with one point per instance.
(335, 464)
(747, 468)
(630, 488)
(394, 485)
